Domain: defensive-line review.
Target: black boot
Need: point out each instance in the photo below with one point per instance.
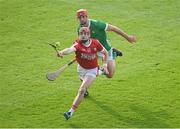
(86, 94)
(118, 53)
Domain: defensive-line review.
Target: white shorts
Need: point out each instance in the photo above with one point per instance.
(86, 72)
(110, 55)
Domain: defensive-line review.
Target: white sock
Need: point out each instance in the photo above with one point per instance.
(100, 72)
(71, 110)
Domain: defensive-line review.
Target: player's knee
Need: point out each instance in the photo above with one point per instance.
(82, 91)
(110, 75)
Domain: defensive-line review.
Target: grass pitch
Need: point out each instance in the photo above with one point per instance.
(145, 91)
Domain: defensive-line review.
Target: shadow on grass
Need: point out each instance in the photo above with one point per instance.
(145, 118)
(149, 118)
(74, 126)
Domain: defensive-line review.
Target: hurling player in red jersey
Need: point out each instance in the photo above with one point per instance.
(86, 50)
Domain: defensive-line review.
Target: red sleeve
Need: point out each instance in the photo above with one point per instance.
(76, 45)
(99, 46)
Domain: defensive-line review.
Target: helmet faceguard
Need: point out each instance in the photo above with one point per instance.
(84, 34)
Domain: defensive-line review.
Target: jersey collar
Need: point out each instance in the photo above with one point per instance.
(87, 44)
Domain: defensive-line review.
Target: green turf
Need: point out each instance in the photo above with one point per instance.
(145, 91)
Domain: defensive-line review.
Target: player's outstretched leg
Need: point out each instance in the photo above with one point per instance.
(83, 88)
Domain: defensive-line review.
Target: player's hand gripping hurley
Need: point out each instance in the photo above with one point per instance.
(53, 75)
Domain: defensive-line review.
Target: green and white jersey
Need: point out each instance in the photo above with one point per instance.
(98, 31)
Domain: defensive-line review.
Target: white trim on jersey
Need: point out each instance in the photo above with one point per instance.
(106, 27)
(89, 20)
(102, 50)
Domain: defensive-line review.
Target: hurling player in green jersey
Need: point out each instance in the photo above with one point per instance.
(98, 31)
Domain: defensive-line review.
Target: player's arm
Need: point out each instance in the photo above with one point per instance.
(101, 49)
(130, 38)
(66, 51)
(105, 69)
(104, 51)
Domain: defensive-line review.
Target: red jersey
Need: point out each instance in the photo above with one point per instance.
(86, 56)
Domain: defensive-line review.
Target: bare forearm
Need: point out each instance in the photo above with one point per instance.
(117, 30)
(121, 32)
(66, 51)
(105, 56)
(104, 67)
